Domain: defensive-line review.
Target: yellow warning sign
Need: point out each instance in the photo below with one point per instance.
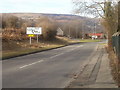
(31, 35)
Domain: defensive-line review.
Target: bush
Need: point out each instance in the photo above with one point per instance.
(49, 31)
(49, 28)
(14, 28)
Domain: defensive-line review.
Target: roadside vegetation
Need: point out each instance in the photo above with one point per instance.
(90, 40)
(13, 49)
(14, 38)
(111, 24)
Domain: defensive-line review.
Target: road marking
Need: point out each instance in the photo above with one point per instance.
(50, 57)
(31, 64)
(56, 55)
(75, 48)
(66, 51)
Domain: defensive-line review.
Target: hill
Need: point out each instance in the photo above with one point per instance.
(63, 18)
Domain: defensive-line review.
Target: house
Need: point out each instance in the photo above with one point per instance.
(60, 32)
(96, 35)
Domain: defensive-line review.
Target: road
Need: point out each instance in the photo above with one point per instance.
(48, 69)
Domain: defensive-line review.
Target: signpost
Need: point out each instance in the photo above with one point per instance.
(31, 35)
(32, 31)
(37, 38)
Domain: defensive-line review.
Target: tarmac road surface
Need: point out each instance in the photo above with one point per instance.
(48, 69)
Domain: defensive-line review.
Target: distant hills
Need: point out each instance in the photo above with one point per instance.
(62, 18)
(38, 15)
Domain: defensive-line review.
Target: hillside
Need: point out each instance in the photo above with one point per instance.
(63, 18)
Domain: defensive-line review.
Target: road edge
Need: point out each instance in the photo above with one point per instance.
(5, 58)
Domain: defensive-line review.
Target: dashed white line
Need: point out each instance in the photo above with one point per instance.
(56, 55)
(50, 57)
(31, 64)
(66, 52)
(75, 48)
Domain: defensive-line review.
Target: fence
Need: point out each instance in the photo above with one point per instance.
(116, 43)
(116, 36)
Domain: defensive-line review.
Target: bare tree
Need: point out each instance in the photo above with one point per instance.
(49, 27)
(106, 9)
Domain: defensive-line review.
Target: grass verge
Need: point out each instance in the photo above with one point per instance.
(41, 46)
(11, 52)
(115, 66)
(26, 51)
(90, 40)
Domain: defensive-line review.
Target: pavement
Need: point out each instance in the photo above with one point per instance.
(97, 73)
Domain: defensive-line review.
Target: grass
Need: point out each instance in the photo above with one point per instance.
(35, 47)
(42, 45)
(89, 40)
(25, 51)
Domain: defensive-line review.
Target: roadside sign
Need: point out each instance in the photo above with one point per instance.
(34, 30)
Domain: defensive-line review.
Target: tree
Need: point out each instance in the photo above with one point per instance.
(105, 9)
(110, 21)
(119, 16)
(9, 21)
(12, 27)
(49, 27)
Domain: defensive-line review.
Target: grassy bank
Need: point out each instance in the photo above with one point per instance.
(25, 51)
(13, 49)
(89, 40)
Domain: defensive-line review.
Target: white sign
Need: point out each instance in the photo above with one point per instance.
(34, 30)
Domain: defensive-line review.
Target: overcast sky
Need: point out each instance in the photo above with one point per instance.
(38, 6)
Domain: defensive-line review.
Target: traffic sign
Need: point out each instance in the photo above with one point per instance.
(34, 30)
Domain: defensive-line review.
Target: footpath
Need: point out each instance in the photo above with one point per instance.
(97, 73)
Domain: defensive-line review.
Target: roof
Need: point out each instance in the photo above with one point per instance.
(95, 34)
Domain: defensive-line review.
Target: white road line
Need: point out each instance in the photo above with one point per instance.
(56, 55)
(66, 51)
(31, 64)
(75, 48)
(50, 57)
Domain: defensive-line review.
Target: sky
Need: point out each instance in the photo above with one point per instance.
(36, 6)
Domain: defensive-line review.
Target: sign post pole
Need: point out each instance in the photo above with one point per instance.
(30, 41)
(37, 38)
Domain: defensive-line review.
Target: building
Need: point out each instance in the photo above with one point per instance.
(60, 32)
(96, 35)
